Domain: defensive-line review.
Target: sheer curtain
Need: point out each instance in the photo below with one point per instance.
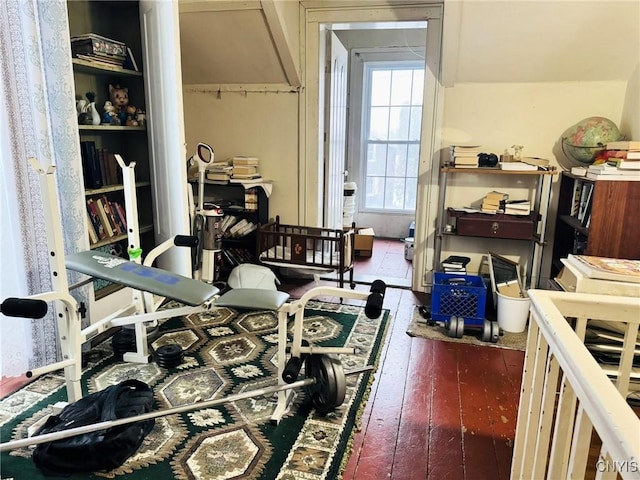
(38, 120)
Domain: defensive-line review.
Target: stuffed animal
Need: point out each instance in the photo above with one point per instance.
(119, 97)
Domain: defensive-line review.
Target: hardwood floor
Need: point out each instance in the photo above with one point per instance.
(437, 410)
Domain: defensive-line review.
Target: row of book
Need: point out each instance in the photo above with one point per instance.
(105, 218)
(463, 156)
(234, 227)
(455, 264)
(103, 51)
(99, 166)
(581, 202)
(498, 202)
(236, 256)
(238, 168)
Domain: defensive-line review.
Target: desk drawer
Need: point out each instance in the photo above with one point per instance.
(497, 225)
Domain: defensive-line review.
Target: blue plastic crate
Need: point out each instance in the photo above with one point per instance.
(459, 296)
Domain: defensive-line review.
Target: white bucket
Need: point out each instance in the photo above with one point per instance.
(408, 248)
(513, 313)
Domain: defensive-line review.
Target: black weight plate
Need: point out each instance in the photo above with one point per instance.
(329, 390)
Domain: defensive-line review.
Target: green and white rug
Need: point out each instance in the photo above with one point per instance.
(226, 352)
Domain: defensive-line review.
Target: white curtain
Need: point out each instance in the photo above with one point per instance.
(38, 120)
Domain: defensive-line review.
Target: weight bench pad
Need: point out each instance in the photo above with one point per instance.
(253, 299)
(148, 279)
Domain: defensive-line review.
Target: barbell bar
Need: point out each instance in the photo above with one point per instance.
(71, 432)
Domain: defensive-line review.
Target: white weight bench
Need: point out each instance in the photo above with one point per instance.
(196, 296)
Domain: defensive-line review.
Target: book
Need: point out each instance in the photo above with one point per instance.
(603, 268)
(623, 164)
(575, 197)
(624, 177)
(90, 165)
(633, 145)
(258, 179)
(539, 162)
(106, 204)
(244, 170)
(219, 176)
(104, 218)
(518, 166)
(130, 62)
(95, 219)
(495, 195)
(121, 215)
(93, 235)
(242, 160)
(245, 176)
(456, 260)
(579, 171)
(470, 160)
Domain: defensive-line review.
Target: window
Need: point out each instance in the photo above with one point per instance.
(391, 123)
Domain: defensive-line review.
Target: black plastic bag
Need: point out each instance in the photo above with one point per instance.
(101, 450)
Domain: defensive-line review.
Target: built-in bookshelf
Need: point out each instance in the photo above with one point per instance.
(101, 139)
(596, 217)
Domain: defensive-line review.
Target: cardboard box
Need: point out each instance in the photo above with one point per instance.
(363, 243)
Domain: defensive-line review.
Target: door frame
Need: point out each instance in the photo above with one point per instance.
(311, 166)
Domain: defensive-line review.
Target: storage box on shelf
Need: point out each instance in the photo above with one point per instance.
(105, 38)
(531, 228)
(596, 217)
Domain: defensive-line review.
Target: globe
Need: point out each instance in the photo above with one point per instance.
(585, 139)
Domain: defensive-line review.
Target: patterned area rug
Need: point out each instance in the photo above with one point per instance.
(226, 352)
(419, 328)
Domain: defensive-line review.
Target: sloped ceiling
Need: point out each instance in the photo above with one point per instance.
(229, 42)
(228, 47)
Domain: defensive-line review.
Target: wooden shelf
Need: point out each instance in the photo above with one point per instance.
(112, 188)
(117, 238)
(574, 223)
(111, 128)
(86, 66)
(497, 171)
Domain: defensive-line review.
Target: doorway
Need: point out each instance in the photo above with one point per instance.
(393, 188)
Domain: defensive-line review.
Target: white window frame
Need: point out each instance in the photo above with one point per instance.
(404, 57)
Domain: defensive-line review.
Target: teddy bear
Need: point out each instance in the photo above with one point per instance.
(119, 97)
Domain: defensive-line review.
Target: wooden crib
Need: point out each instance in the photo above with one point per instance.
(309, 248)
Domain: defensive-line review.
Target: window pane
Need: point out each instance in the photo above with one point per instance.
(375, 193)
(376, 159)
(397, 161)
(399, 123)
(415, 123)
(401, 87)
(380, 87)
(379, 123)
(413, 158)
(394, 193)
(418, 87)
(410, 193)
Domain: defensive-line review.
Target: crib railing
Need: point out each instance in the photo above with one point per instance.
(574, 420)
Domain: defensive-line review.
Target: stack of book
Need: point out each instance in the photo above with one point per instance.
(620, 161)
(517, 207)
(464, 156)
(455, 264)
(493, 202)
(219, 171)
(245, 169)
(234, 227)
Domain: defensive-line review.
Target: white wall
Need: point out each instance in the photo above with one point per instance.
(264, 125)
(498, 115)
